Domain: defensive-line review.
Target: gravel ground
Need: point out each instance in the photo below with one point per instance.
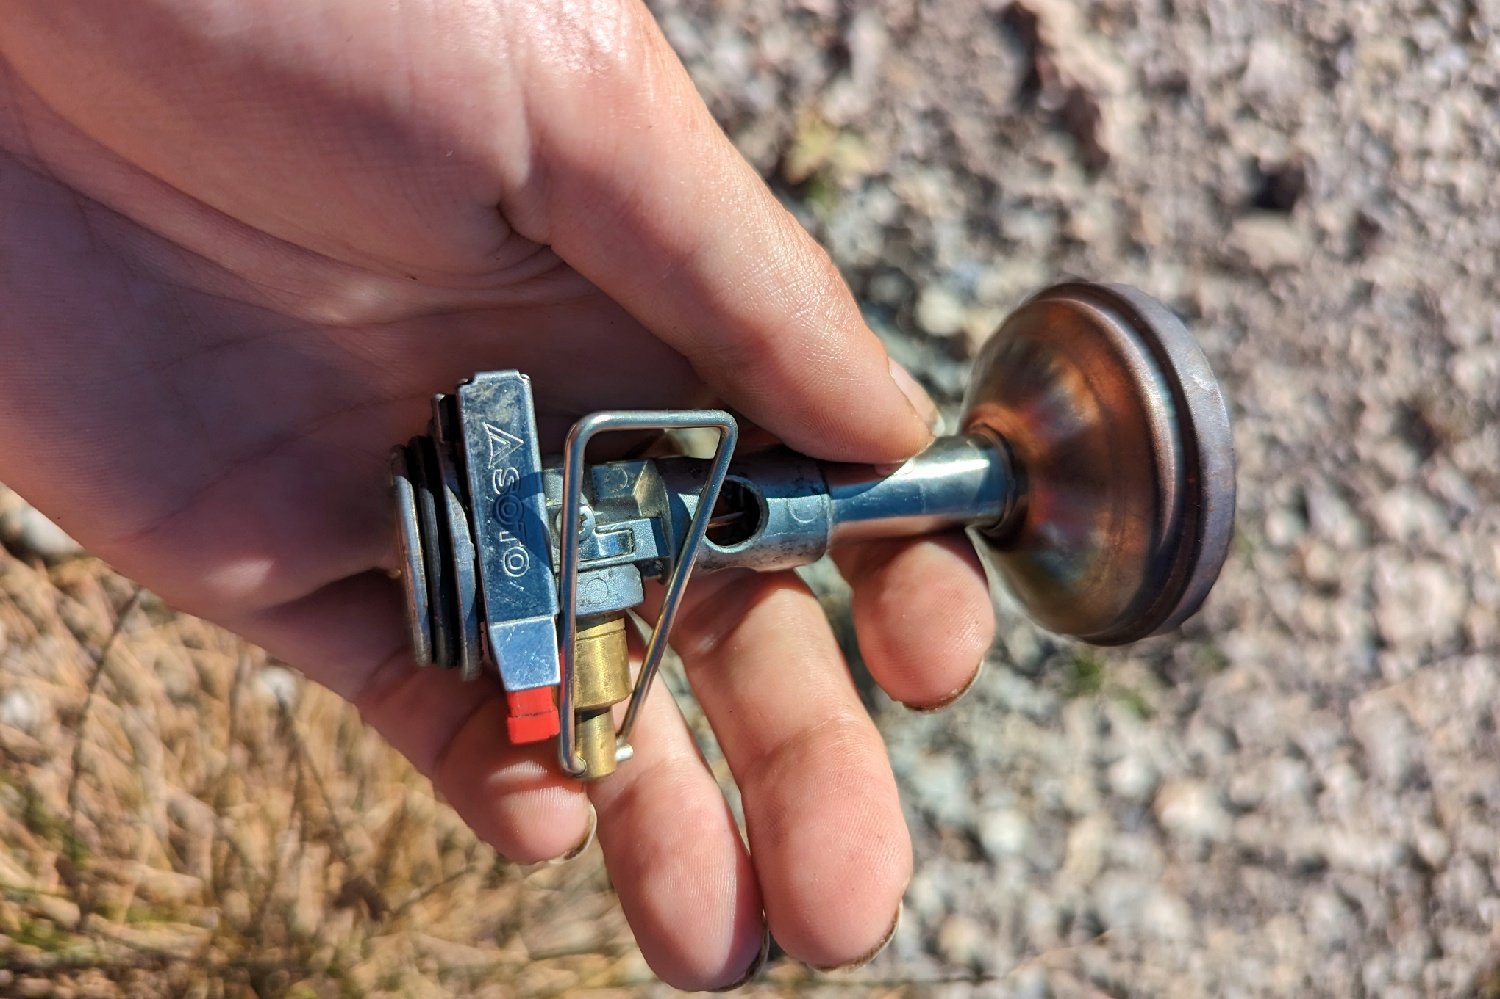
(1298, 794)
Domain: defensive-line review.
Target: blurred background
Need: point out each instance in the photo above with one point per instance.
(1297, 795)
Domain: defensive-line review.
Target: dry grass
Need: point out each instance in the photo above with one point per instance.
(179, 817)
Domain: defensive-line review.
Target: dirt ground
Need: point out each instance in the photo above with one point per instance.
(1297, 795)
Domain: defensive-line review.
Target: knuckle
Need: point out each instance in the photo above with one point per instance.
(586, 40)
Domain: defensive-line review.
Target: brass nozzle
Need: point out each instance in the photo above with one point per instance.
(601, 679)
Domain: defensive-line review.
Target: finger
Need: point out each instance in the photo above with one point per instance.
(577, 118)
(923, 615)
(674, 852)
(349, 637)
(825, 825)
(636, 186)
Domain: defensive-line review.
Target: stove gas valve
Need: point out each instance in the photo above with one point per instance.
(1094, 471)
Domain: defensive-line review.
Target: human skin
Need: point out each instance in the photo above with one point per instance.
(241, 244)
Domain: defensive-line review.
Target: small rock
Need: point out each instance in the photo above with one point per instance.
(1042, 918)
(1136, 851)
(281, 685)
(1327, 917)
(1408, 515)
(1391, 750)
(868, 41)
(1323, 565)
(1005, 285)
(943, 789)
(1034, 229)
(34, 988)
(962, 941)
(1028, 982)
(1343, 789)
(1276, 72)
(1025, 654)
(1418, 604)
(1005, 833)
(1080, 795)
(1118, 899)
(1085, 855)
(1463, 884)
(924, 896)
(981, 323)
(1269, 241)
(1431, 845)
(1166, 916)
(22, 710)
(888, 289)
(1362, 853)
(940, 312)
(1284, 528)
(28, 531)
(1132, 777)
(1190, 810)
(1332, 519)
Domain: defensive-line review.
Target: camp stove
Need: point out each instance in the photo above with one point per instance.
(1094, 471)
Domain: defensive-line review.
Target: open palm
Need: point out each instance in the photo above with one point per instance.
(242, 243)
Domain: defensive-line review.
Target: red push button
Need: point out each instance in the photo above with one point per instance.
(532, 715)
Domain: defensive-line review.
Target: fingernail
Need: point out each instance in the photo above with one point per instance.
(860, 962)
(918, 397)
(588, 840)
(755, 966)
(951, 699)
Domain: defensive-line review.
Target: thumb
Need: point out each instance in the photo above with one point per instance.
(638, 189)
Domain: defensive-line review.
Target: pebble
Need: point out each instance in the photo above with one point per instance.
(1167, 916)
(868, 41)
(1326, 916)
(1085, 851)
(1384, 734)
(1276, 73)
(1419, 604)
(963, 942)
(943, 788)
(279, 684)
(1431, 845)
(1362, 852)
(1042, 918)
(925, 896)
(981, 323)
(1269, 242)
(1005, 833)
(1027, 982)
(1131, 777)
(1411, 516)
(940, 312)
(23, 709)
(26, 530)
(1118, 899)
(1190, 810)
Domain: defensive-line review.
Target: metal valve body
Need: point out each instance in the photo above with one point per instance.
(1094, 471)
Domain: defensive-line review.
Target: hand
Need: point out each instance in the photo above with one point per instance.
(241, 243)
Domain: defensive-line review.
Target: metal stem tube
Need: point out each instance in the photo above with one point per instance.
(783, 510)
(962, 480)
